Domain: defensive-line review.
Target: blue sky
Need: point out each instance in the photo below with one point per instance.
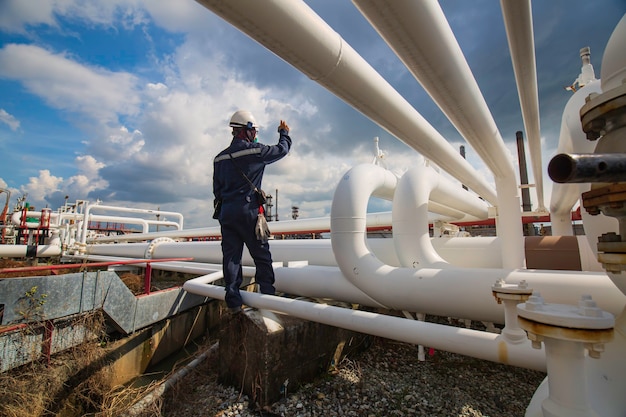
(127, 101)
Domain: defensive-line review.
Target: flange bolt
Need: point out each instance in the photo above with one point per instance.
(535, 302)
(587, 307)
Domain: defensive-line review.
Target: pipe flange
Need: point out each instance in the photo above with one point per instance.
(585, 323)
(518, 292)
(586, 315)
(609, 200)
(153, 244)
(603, 113)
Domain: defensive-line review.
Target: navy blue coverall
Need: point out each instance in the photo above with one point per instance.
(240, 210)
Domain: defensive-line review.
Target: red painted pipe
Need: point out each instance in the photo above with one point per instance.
(92, 264)
(11, 328)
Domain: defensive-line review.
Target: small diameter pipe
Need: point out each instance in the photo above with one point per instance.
(466, 342)
(21, 251)
(92, 207)
(582, 168)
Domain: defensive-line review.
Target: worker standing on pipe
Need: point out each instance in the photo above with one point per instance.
(237, 174)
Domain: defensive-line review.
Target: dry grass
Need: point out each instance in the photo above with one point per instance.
(77, 382)
(134, 282)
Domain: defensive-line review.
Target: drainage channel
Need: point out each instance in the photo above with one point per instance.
(183, 362)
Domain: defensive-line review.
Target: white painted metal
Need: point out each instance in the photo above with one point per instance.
(295, 33)
(410, 207)
(572, 139)
(510, 296)
(578, 385)
(567, 331)
(518, 21)
(568, 395)
(22, 251)
(477, 252)
(93, 207)
(411, 275)
(422, 289)
(613, 71)
(467, 291)
(468, 342)
(408, 28)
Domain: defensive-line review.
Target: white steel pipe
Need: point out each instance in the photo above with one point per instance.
(437, 211)
(410, 209)
(458, 292)
(321, 282)
(467, 291)
(55, 218)
(518, 21)
(411, 236)
(477, 344)
(295, 33)
(92, 207)
(475, 252)
(145, 223)
(23, 251)
(408, 28)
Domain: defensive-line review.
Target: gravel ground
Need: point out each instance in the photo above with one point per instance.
(385, 380)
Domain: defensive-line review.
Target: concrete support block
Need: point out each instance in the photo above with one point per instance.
(270, 355)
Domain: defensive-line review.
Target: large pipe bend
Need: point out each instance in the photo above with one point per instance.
(418, 186)
(411, 236)
(451, 291)
(349, 207)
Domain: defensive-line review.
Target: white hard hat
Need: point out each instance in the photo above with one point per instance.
(243, 118)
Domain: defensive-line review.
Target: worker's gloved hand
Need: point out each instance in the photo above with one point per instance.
(261, 229)
(283, 125)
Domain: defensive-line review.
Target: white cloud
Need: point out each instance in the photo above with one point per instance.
(15, 14)
(152, 140)
(67, 85)
(9, 120)
(48, 189)
(88, 165)
(38, 187)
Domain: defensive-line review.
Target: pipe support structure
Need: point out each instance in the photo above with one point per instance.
(511, 296)
(567, 331)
